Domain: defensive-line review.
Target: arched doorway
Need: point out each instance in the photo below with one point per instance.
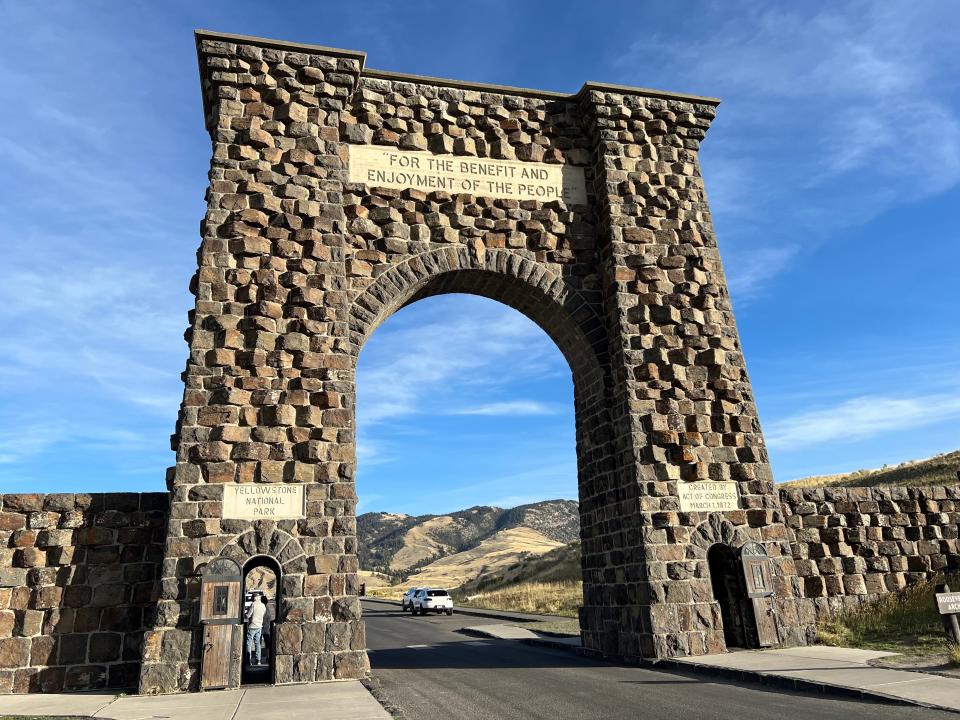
(729, 590)
(572, 323)
(261, 585)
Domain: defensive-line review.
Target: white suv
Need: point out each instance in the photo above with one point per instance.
(406, 602)
(435, 600)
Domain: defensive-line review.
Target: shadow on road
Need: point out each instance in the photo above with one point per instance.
(493, 654)
(386, 613)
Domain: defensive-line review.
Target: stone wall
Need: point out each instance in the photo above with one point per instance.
(852, 545)
(78, 573)
(77, 582)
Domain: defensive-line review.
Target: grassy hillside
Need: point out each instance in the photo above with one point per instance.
(938, 470)
(504, 549)
(401, 545)
(561, 564)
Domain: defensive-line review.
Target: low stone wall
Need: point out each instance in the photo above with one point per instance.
(78, 573)
(852, 545)
(77, 580)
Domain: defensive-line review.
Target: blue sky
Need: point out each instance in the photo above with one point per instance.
(832, 171)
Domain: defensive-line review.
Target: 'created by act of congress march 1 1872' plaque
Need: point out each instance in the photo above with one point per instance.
(389, 167)
(708, 496)
(263, 502)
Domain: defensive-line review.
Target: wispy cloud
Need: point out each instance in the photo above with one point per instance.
(860, 418)
(830, 113)
(458, 344)
(509, 407)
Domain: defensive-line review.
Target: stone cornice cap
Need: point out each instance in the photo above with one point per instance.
(446, 82)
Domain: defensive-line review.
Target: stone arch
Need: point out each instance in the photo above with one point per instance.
(715, 529)
(266, 539)
(563, 312)
(574, 324)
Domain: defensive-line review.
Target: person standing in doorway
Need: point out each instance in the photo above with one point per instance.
(268, 618)
(254, 618)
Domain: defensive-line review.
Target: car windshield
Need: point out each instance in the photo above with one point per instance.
(436, 593)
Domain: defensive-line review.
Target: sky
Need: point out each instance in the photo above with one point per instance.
(832, 171)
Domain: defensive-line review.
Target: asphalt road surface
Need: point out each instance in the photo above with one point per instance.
(425, 669)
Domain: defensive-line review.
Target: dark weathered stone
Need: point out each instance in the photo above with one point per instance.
(14, 652)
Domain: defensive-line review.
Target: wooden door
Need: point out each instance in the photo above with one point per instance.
(767, 635)
(215, 665)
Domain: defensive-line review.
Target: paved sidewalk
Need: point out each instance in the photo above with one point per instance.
(346, 700)
(835, 668)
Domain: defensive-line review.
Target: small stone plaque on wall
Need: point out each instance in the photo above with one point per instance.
(708, 496)
(263, 502)
(389, 167)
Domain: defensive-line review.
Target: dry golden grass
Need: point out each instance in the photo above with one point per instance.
(552, 598)
(494, 554)
(569, 627)
(373, 579)
(954, 653)
(937, 470)
(392, 592)
(906, 622)
(816, 481)
(419, 544)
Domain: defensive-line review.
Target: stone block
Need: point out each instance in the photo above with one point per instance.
(14, 652)
(350, 665)
(85, 677)
(12, 577)
(289, 638)
(105, 647)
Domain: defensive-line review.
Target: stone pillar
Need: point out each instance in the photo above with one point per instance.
(682, 404)
(268, 394)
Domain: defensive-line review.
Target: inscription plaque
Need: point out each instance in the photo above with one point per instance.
(948, 603)
(512, 179)
(256, 502)
(708, 496)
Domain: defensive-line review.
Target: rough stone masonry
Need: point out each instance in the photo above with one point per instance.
(298, 265)
(301, 260)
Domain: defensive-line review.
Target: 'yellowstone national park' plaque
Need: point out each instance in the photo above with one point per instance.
(263, 502)
(389, 167)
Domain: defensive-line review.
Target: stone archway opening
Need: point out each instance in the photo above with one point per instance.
(490, 422)
(567, 321)
(262, 582)
(730, 592)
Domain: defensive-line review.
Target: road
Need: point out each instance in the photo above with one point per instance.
(428, 670)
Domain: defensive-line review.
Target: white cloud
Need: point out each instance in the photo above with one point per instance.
(860, 418)
(456, 345)
(832, 115)
(756, 265)
(509, 407)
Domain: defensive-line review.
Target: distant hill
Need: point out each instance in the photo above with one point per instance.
(939, 470)
(455, 548)
(559, 565)
(485, 550)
